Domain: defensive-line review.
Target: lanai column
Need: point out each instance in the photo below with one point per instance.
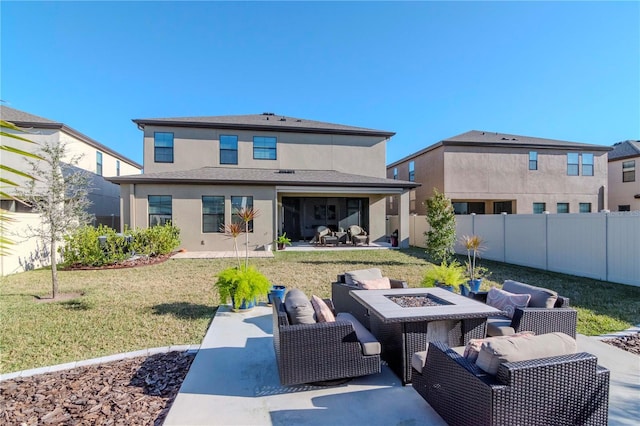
(403, 220)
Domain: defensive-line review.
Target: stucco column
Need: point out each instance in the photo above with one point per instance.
(403, 220)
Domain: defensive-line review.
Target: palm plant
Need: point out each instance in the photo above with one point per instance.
(474, 246)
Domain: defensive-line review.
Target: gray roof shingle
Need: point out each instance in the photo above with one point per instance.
(625, 149)
(493, 139)
(264, 121)
(241, 176)
(25, 120)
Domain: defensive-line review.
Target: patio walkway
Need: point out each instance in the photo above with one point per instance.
(234, 381)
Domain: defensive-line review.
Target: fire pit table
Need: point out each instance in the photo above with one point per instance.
(404, 320)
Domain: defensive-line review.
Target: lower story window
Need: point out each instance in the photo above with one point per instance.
(212, 214)
(159, 209)
(585, 207)
(563, 207)
(624, 208)
(539, 208)
(239, 203)
(468, 208)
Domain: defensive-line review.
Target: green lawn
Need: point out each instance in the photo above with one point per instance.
(172, 303)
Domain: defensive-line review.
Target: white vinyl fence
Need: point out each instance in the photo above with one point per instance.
(604, 246)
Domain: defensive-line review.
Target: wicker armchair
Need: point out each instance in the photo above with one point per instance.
(540, 320)
(343, 301)
(358, 235)
(307, 353)
(561, 390)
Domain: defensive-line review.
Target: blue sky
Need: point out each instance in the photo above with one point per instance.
(425, 70)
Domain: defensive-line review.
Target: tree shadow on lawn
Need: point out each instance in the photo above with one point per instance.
(184, 310)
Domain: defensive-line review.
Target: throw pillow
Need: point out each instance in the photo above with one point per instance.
(540, 297)
(375, 284)
(523, 348)
(322, 310)
(355, 277)
(507, 302)
(299, 307)
(472, 349)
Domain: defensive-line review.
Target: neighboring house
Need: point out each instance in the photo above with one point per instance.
(491, 173)
(95, 157)
(624, 181)
(299, 174)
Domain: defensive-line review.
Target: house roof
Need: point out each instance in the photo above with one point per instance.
(493, 139)
(266, 121)
(26, 120)
(625, 149)
(241, 176)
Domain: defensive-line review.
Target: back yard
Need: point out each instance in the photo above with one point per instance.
(173, 302)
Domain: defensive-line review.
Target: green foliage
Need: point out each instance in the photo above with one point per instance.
(283, 239)
(442, 223)
(452, 274)
(83, 247)
(245, 283)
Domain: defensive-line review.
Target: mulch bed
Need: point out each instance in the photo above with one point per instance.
(629, 343)
(137, 391)
(129, 263)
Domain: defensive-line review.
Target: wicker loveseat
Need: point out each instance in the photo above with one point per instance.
(348, 281)
(322, 351)
(561, 390)
(546, 312)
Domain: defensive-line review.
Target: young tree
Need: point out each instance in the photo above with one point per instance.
(441, 236)
(60, 195)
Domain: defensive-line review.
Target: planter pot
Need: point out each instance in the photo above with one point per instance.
(276, 291)
(474, 285)
(446, 287)
(245, 306)
(464, 290)
(281, 246)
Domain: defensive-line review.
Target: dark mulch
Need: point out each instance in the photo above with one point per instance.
(129, 263)
(628, 343)
(137, 391)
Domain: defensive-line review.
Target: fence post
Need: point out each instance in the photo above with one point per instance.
(546, 240)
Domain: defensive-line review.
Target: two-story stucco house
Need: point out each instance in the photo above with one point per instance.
(95, 157)
(299, 174)
(491, 173)
(624, 185)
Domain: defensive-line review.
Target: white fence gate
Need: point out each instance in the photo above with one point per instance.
(604, 246)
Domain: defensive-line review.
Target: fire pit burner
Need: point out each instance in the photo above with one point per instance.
(418, 301)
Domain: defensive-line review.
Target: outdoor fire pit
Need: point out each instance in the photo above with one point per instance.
(418, 301)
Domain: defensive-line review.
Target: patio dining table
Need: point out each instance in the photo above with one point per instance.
(402, 331)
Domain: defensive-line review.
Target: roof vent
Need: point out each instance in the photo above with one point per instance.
(286, 171)
(505, 139)
(283, 119)
(268, 113)
(298, 121)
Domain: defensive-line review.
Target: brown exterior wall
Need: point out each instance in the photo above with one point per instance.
(622, 193)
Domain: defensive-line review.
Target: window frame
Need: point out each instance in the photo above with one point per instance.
(533, 162)
(117, 167)
(543, 205)
(563, 204)
(395, 173)
(581, 205)
(265, 149)
(631, 171)
(624, 208)
(587, 168)
(161, 152)
(99, 163)
(228, 150)
(220, 223)
(165, 202)
(235, 208)
(571, 164)
(412, 171)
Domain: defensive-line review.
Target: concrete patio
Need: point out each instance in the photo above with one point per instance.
(234, 381)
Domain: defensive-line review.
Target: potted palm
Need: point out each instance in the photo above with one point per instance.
(474, 246)
(283, 241)
(446, 275)
(242, 283)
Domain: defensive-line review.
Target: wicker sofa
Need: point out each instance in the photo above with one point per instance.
(323, 351)
(561, 390)
(547, 312)
(344, 283)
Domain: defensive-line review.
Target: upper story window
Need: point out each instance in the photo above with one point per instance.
(212, 214)
(629, 171)
(412, 171)
(587, 164)
(160, 209)
(395, 173)
(117, 167)
(264, 148)
(562, 208)
(228, 149)
(539, 208)
(533, 160)
(238, 203)
(98, 163)
(163, 147)
(573, 164)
